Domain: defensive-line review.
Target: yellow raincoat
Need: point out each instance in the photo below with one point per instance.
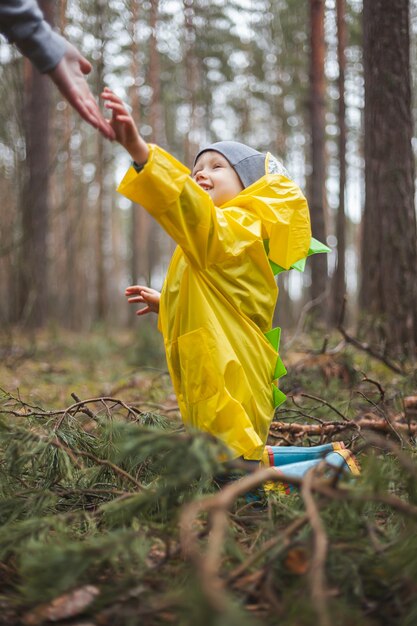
(219, 295)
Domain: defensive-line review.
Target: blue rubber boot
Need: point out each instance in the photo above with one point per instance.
(341, 460)
(275, 456)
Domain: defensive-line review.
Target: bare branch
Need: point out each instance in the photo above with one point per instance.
(317, 577)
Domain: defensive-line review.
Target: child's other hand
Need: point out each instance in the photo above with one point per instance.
(140, 293)
(125, 128)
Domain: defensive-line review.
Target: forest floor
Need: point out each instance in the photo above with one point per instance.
(110, 514)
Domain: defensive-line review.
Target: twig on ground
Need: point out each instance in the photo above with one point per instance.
(376, 544)
(116, 469)
(385, 417)
(282, 538)
(317, 578)
(312, 430)
(217, 507)
(281, 429)
(101, 399)
(381, 390)
(280, 438)
(333, 408)
(303, 413)
(306, 308)
(373, 439)
(85, 410)
(366, 347)
(36, 411)
(66, 491)
(155, 405)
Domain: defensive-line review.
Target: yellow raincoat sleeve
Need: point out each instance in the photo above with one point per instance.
(273, 208)
(184, 210)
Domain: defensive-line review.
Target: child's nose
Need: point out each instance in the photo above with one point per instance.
(201, 174)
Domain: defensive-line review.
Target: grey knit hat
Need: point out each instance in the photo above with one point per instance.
(249, 164)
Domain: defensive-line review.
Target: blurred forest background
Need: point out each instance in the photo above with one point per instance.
(284, 76)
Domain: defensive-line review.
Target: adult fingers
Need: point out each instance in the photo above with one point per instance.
(102, 124)
(85, 66)
(90, 112)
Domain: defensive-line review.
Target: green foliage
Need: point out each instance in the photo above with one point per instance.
(148, 349)
(98, 498)
(78, 559)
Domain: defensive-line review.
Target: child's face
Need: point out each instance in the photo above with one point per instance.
(215, 175)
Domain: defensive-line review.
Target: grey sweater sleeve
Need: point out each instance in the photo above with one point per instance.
(23, 24)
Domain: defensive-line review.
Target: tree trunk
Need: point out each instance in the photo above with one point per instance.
(140, 219)
(389, 249)
(33, 265)
(72, 217)
(339, 281)
(318, 175)
(191, 77)
(155, 121)
(102, 215)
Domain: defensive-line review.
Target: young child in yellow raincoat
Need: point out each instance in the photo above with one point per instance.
(236, 219)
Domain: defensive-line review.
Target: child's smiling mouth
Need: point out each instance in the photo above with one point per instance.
(205, 186)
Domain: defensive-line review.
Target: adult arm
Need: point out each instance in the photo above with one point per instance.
(23, 24)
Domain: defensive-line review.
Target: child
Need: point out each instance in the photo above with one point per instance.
(237, 218)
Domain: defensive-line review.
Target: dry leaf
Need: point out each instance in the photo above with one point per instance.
(297, 561)
(63, 607)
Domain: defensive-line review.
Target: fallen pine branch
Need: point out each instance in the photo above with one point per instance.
(207, 563)
(332, 428)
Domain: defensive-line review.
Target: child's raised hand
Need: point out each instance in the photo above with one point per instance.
(125, 128)
(140, 293)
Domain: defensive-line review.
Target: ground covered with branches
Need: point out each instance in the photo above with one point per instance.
(111, 514)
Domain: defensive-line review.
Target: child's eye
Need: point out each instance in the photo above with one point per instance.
(216, 166)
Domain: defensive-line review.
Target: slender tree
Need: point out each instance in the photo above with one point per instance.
(71, 313)
(33, 266)
(339, 281)
(155, 115)
(102, 204)
(155, 122)
(140, 220)
(389, 248)
(317, 121)
(191, 78)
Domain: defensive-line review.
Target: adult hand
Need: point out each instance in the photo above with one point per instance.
(146, 295)
(68, 76)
